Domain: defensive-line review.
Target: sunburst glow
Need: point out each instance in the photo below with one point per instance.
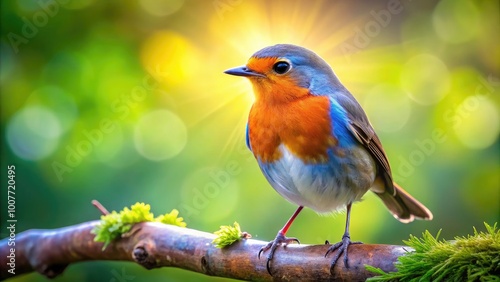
(127, 101)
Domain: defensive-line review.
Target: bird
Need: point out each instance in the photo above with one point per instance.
(314, 143)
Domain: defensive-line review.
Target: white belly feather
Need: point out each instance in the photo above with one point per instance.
(324, 187)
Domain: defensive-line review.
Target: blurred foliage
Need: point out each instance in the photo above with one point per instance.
(115, 224)
(126, 101)
(471, 258)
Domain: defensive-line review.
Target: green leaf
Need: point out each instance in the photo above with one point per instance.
(375, 269)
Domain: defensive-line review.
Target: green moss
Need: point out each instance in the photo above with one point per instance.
(171, 218)
(115, 224)
(471, 258)
(228, 235)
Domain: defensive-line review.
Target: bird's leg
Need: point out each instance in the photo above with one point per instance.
(280, 239)
(342, 245)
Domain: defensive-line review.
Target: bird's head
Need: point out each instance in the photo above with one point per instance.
(285, 72)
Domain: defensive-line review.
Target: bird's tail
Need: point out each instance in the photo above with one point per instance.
(404, 207)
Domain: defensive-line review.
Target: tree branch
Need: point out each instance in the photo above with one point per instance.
(154, 245)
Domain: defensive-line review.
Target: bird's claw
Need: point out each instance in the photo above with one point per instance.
(342, 247)
(273, 245)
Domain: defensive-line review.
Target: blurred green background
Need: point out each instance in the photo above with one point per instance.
(125, 101)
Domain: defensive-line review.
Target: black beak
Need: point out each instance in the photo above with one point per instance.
(243, 71)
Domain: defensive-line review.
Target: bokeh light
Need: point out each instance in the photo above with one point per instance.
(170, 58)
(61, 103)
(388, 106)
(160, 135)
(450, 23)
(33, 133)
(479, 125)
(426, 79)
(427, 76)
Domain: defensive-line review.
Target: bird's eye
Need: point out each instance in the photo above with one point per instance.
(281, 67)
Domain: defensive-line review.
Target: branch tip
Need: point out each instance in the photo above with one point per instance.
(100, 207)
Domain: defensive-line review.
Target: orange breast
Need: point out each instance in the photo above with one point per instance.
(303, 125)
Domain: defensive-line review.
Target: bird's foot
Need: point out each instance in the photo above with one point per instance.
(273, 245)
(342, 247)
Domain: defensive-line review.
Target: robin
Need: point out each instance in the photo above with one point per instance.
(313, 142)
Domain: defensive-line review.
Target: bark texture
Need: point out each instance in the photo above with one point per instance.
(154, 245)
